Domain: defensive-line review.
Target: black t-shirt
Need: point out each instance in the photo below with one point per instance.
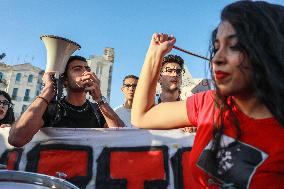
(62, 114)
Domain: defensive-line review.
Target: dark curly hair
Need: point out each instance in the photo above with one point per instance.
(173, 58)
(260, 31)
(9, 117)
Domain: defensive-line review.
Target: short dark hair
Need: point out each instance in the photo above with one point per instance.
(173, 58)
(130, 76)
(9, 117)
(71, 59)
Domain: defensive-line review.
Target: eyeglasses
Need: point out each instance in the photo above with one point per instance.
(169, 71)
(6, 103)
(130, 85)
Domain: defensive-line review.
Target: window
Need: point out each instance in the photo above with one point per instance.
(15, 93)
(18, 77)
(37, 92)
(30, 78)
(99, 70)
(27, 95)
(24, 108)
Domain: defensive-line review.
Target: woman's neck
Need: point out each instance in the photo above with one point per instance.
(251, 106)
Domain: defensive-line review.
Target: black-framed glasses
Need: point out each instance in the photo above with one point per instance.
(6, 103)
(169, 71)
(130, 85)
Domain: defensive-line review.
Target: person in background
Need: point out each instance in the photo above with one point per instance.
(128, 89)
(6, 110)
(241, 123)
(170, 78)
(170, 81)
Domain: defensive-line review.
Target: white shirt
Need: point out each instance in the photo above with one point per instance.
(125, 115)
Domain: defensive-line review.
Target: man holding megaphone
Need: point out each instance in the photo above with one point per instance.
(73, 111)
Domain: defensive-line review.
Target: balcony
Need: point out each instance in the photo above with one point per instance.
(26, 98)
(3, 81)
(17, 98)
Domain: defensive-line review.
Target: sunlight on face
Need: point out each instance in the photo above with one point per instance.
(231, 68)
(129, 87)
(171, 76)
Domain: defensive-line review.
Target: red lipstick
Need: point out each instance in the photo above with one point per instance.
(219, 75)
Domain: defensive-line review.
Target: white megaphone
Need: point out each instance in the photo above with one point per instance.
(59, 51)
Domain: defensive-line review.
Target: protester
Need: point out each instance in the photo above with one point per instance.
(6, 110)
(72, 111)
(128, 89)
(240, 125)
(170, 78)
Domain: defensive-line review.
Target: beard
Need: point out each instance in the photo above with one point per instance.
(73, 87)
(170, 88)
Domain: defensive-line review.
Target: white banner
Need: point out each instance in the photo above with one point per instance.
(105, 158)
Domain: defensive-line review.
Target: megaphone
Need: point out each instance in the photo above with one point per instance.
(59, 51)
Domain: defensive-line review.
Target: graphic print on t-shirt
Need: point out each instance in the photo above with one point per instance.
(235, 165)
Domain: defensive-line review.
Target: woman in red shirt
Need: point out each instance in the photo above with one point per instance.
(240, 135)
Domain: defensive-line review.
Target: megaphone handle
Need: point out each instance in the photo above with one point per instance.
(54, 82)
(59, 89)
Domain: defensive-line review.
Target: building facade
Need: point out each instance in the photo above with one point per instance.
(22, 82)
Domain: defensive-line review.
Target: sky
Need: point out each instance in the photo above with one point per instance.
(125, 25)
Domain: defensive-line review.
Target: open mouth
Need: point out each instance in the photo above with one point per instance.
(1, 111)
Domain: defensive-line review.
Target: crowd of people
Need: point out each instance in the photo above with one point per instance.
(240, 124)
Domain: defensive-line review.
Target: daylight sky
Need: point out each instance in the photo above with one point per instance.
(125, 25)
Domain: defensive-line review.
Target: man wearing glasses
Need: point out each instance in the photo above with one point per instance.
(128, 89)
(170, 81)
(170, 78)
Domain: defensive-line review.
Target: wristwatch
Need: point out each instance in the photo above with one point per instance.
(101, 101)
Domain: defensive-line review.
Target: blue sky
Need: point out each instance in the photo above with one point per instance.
(125, 25)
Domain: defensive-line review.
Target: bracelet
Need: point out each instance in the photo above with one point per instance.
(44, 99)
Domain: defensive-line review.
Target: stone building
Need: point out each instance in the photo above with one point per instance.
(22, 82)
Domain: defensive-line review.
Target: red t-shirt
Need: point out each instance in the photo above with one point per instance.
(255, 161)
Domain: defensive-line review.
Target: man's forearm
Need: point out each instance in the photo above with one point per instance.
(23, 130)
(112, 119)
